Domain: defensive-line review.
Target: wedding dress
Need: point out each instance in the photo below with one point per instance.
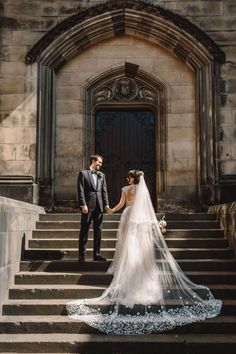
(149, 292)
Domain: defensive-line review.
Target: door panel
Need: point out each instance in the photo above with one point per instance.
(126, 140)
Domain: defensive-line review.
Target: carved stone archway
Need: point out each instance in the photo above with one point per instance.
(128, 86)
(142, 20)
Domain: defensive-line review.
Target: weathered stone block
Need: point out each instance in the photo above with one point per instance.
(69, 150)
(186, 120)
(216, 23)
(11, 85)
(229, 7)
(67, 106)
(228, 69)
(179, 134)
(13, 53)
(184, 149)
(12, 69)
(6, 35)
(109, 63)
(23, 8)
(182, 178)
(68, 92)
(182, 106)
(230, 52)
(65, 193)
(196, 8)
(67, 167)
(228, 167)
(11, 101)
(223, 38)
(225, 117)
(225, 151)
(187, 78)
(69, 120)
(22, 152)
(72, 78)
(183, 195)
(168, 63)
(229, 100)
(7, 152)
(40, 24)
(228, 133)
(52, 8)
(182, 92)
(66, 135)
(17, 136)
(25, 37)
(28, 119)
(10, 119)
(22, 167)
(233, 150)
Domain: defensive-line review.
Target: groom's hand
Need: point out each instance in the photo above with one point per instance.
(84, 209)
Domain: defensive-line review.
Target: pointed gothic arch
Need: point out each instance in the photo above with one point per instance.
(142, 20)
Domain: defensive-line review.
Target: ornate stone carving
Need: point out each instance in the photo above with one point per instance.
(124, 89)
(146, 94)
(105, 94)
(119, 26)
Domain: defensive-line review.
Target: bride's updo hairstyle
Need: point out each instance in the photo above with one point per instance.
(135, 174)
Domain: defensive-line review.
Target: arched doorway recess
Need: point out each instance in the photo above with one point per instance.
(128, 91)
(142, 20)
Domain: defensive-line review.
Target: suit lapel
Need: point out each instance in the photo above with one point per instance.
(99, 183)
(91, 179)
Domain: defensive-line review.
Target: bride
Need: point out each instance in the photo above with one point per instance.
(149, 293)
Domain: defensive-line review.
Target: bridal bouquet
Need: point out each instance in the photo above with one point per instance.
(162, 224)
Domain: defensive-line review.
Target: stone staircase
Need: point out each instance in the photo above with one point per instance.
(34, 317)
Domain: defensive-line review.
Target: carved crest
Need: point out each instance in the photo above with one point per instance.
(124, 89)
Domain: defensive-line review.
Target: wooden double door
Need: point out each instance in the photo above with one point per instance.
(127, 140)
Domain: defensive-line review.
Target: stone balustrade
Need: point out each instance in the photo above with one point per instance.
(17, 219)
(227, 216)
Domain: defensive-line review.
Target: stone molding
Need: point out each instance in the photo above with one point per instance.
(99, 93)
(148, 22)
(117, 10)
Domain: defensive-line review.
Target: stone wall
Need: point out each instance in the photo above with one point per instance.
(227, 215)
(26, 21)
(162, 65)
(17, 220)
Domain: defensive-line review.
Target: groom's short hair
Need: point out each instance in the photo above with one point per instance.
(95, 157)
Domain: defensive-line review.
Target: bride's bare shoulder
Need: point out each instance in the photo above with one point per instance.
(125, 188)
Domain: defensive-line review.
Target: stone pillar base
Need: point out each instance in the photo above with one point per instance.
(21, 188)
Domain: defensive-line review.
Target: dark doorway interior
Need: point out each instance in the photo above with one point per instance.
(126, 140)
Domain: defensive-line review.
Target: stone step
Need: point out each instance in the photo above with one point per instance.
(71, 266)
(72, 254)
(111, 233)
(116, 216)
(111, 243)
(114, 224)
(98, 278)
(58, 307)
(62, 324)
(221, 291)
(103, 344)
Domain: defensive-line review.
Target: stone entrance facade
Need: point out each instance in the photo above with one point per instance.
(175, 67)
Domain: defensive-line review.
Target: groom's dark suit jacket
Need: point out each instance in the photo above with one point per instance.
(88, 193)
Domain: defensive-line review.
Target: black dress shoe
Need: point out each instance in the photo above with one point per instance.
(99, 258)
(81, 259)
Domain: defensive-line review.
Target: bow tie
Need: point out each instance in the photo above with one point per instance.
(93, 172)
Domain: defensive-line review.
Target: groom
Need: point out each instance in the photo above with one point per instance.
(93, 199)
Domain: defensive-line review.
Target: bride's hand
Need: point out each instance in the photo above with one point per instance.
(109, 210)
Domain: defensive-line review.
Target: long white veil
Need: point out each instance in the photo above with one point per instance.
(149, 292)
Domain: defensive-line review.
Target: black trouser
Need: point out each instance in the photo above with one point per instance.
(86, 219)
